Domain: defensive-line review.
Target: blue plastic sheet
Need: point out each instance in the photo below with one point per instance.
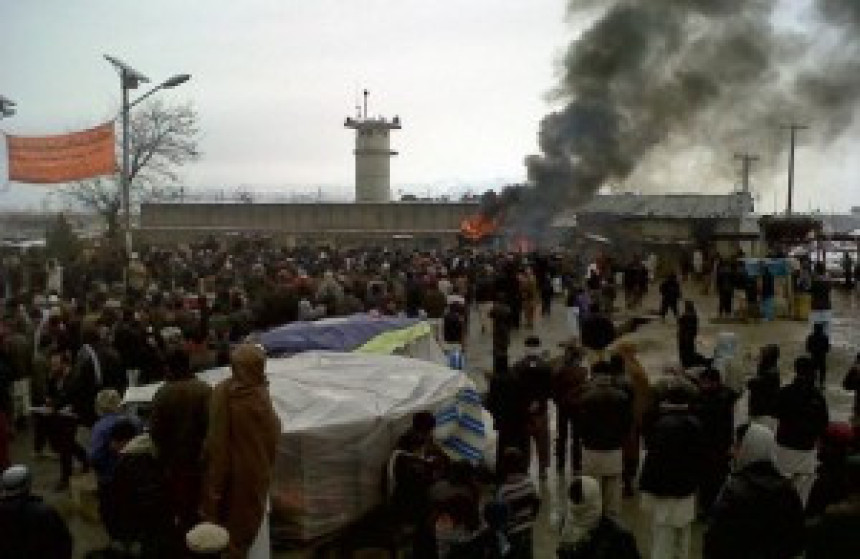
(337, 334)
(779, 267)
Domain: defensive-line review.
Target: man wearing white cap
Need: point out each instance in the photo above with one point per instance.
(207, 540)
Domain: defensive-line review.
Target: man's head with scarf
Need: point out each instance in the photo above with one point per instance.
(754, 443)
(584, 510)
(248, 363)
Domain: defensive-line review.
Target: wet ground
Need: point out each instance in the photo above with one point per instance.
(657, 348)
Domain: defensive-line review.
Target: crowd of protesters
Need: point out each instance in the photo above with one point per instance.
(783, 483)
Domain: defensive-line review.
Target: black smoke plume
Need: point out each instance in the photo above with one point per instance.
(717, 74)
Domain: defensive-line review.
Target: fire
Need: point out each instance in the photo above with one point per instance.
(476, 227)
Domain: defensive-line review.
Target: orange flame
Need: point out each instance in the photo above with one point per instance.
(476, 227)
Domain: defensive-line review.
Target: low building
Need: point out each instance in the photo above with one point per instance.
(638, 222)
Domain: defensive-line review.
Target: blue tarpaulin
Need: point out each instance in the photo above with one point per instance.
(336, 334)
(779, 267)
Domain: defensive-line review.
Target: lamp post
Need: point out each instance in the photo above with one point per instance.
(7, 107)
(131, 79)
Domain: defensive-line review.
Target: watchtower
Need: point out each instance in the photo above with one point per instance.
(372, 155)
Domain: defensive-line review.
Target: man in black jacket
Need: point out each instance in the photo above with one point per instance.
(6, 407)
(413, 296)
(606, 417)
(671, 474)
(598, 331)
(568, 385)
(764, 387)
(688, 330)
(803, 416)
(818, 346)
(128, 339)
(714, 408)
(851, 383)
(58, 424)
(670, 294)
(30, 527)
(509, 283)
(501, 317)
(820, 305)
(508, 402)
(758, 514)
(136, 504)
(86, 379)
(725, 288)
(835, 535)
(536, 376)
(768, 293)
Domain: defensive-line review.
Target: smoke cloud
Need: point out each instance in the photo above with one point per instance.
(653, 80)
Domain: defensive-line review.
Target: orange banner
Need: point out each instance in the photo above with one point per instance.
(64, 158)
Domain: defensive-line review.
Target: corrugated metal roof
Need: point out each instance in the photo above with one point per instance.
(839, 223)
(671, 206)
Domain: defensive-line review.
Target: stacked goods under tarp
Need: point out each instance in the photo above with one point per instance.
(342, 414)
(367, 333)
(461, 428)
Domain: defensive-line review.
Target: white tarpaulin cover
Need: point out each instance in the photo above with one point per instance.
(341, 414)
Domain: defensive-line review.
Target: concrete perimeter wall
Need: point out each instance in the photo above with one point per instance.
(427, 223)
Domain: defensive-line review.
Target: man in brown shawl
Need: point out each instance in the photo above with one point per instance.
(240, 450)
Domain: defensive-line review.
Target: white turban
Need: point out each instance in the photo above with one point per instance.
(207, 538)
(757, 445)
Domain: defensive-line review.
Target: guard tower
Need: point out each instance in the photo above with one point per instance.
(372, 155)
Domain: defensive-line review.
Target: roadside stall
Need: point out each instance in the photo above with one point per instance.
(782, 270)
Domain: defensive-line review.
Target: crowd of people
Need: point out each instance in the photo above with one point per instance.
(194, 473)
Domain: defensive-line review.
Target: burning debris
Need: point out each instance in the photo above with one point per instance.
(478, 226)
(493, 213)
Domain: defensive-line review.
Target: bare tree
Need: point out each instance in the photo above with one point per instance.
(162, 138)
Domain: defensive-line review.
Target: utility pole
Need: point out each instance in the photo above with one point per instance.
(793, 128)
(747, 159)
(129, 78)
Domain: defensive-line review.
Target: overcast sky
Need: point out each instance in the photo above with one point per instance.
(274, 79)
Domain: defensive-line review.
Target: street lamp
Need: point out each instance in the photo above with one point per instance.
(131, 79)
(7, 107)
